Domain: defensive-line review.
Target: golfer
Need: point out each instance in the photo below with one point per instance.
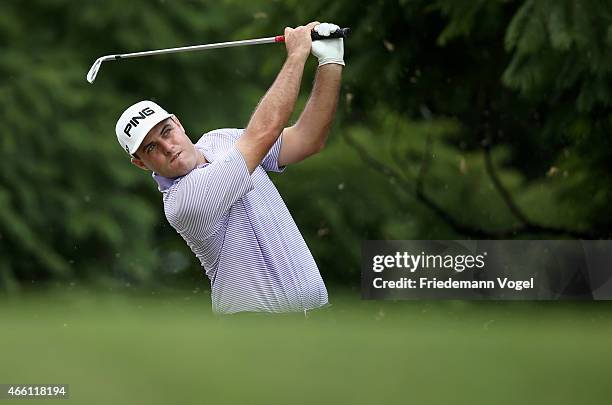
(217, 194)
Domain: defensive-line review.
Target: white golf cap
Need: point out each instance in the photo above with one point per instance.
(136, 122)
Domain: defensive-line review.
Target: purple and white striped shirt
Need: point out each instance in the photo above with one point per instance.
(240, 229)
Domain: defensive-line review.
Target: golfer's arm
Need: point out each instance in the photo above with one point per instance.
(309, 133)
(272, 113)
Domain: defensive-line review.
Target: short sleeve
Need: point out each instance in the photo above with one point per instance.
(270, 161)
(205, 195)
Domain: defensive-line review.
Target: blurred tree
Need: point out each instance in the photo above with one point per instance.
(483, 118)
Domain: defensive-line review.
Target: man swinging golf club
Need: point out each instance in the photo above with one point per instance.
(218, 197)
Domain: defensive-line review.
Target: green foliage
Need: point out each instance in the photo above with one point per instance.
(529, 80)
(559, 46)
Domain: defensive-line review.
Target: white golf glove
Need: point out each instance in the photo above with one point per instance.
(328, 50)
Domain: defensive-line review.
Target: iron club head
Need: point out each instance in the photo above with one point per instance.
(93, 71)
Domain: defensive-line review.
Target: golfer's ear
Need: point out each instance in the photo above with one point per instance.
(139, 163)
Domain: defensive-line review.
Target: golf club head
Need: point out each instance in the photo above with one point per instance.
(93, 71)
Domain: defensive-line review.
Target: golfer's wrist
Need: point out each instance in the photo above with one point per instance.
(297, 57)
(331, 71)
(326, 63)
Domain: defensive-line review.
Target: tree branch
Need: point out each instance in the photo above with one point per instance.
(516, 211)
(416, 189)
(503, 192)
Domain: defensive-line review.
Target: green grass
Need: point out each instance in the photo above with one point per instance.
(152, 348)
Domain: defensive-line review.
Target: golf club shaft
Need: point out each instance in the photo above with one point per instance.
(196, 48)
(341, 33)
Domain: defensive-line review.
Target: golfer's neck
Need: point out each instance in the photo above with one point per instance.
(201, 158)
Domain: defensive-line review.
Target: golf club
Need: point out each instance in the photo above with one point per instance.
(93, 71)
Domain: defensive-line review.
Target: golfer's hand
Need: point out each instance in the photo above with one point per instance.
(298, 40)
(328, 50)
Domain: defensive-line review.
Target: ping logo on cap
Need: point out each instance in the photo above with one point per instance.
(133, 122)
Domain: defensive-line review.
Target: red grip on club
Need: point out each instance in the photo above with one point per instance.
(341, 33)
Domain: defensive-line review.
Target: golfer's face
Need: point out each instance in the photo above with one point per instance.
(167, 150)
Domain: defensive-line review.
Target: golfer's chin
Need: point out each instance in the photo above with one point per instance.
(179, 167)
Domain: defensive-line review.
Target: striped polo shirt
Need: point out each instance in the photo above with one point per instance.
(240, 229)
